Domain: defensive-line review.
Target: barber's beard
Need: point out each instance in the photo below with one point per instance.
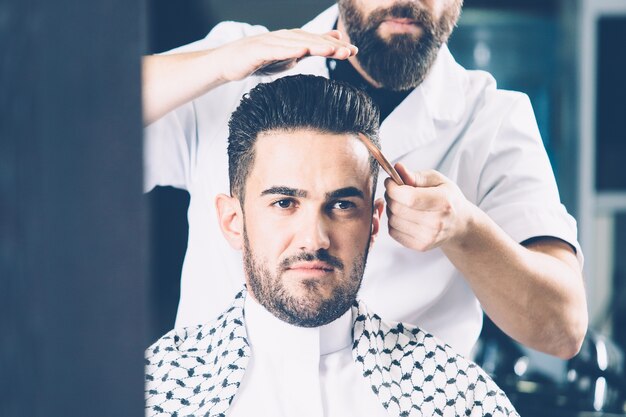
(310, 310)
(402, 61)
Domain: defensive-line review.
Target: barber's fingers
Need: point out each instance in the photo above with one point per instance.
(423, 190)
(416, 198)
(423, 178)
(329, 44)
(273, 52)
(416, 215)
(415, 238)
(335, 34)
(419, 229)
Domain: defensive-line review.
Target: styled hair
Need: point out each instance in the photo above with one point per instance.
(294, 103)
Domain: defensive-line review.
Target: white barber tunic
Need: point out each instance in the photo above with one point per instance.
(457, 122)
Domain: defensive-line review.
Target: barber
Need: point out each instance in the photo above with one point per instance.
(479, 223)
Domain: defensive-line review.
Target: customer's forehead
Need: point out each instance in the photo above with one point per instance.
(305, 157)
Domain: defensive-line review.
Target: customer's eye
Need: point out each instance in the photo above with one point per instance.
(343, 205)
(284, 203)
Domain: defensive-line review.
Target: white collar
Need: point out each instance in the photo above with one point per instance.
(267, 332)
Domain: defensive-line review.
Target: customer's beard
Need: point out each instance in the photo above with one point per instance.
(402, 61)
(310, 311)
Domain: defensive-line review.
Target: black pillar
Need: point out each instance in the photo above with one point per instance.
(73, 281)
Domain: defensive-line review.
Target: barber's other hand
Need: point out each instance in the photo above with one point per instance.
(278, 51)
(429, 211)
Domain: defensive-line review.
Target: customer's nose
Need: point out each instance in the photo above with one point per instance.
(313, 232)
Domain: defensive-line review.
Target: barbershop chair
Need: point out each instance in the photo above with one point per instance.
(593, 383)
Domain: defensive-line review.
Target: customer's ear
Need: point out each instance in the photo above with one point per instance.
(230, 218)
(379, 205)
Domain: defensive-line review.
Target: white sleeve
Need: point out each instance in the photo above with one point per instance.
(171, 143)
(168, 145)
(517, 188)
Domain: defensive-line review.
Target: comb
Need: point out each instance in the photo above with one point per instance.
(378, 155)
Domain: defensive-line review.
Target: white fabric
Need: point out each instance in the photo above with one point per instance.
(296, 371)
(457, 122)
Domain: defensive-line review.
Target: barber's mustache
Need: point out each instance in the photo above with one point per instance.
(321, 255)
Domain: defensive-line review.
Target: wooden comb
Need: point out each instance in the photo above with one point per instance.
(378, 155)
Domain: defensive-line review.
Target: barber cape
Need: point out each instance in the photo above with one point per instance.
(198, 371)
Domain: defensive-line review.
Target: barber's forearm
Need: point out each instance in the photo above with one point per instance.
(536, 295)
(172, 80)
(169, 81)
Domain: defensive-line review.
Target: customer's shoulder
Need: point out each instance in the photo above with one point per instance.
(397, 334)
(201, 338)
(419, 361)
(185, 367)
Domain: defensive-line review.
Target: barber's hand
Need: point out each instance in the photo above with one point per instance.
(428, 211)
(278, 51)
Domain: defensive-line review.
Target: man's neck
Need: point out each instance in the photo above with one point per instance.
(266, 331)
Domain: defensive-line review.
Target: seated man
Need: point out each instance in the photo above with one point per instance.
(296, 341)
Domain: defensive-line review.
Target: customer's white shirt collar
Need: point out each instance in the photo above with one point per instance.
(265, 330)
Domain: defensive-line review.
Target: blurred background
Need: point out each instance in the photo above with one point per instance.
(89, 268)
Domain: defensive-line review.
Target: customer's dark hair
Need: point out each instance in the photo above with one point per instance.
(293, 103)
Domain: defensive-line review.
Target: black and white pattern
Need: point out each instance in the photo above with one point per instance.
(197, 371)
(414, 374)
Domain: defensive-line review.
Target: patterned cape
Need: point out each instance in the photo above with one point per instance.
(197, 371)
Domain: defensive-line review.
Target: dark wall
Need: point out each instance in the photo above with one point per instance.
(173, 24)
(72, 220)
(610, 143)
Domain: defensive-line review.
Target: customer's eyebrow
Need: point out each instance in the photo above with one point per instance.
(345, 192)
(287, 191)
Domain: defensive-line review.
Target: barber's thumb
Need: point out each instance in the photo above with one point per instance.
(424, 178)
(409, 178)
